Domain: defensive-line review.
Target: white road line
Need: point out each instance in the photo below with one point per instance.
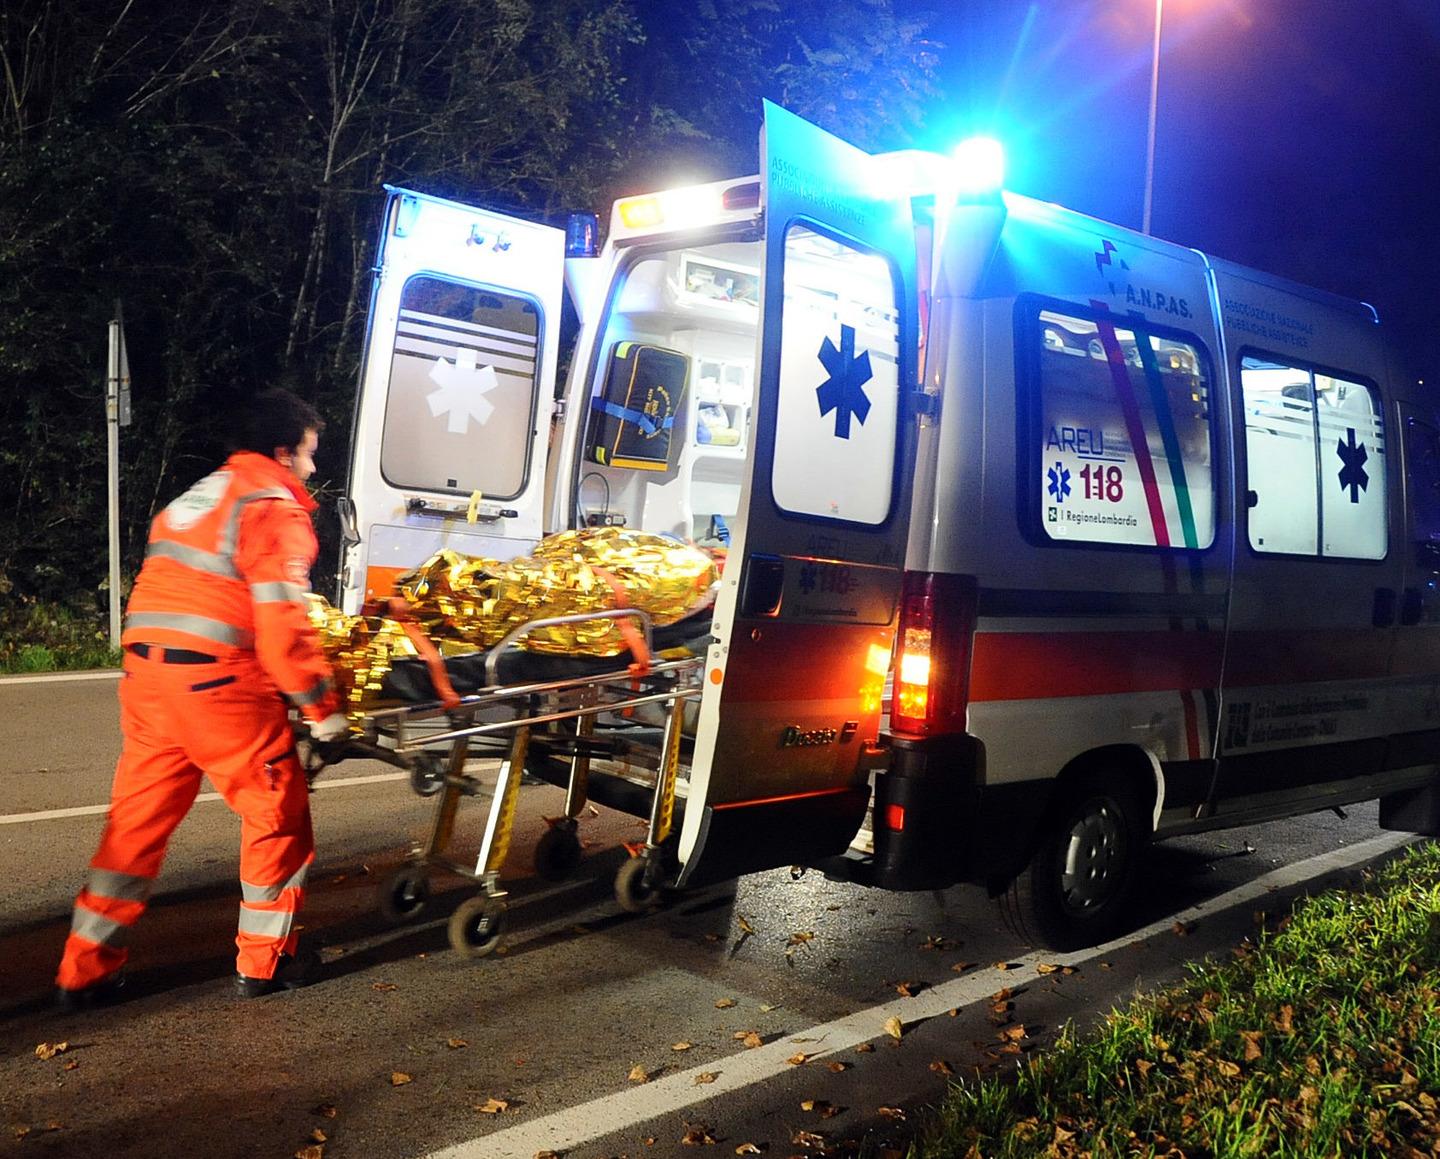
(575, 1126)
(91, 810)
(56, 677)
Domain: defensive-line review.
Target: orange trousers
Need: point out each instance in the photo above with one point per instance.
(224, 719)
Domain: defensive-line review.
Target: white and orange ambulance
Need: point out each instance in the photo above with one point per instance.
(1149, 543)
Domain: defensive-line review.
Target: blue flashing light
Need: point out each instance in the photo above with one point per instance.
(979, 165)
(582, 236)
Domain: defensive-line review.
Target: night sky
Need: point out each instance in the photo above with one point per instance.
(1301, 137)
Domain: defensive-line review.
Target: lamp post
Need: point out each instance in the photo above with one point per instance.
(1150, 135)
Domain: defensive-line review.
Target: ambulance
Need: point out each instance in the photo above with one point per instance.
(1145, 542)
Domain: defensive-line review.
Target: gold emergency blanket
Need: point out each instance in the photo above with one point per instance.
(465, 604)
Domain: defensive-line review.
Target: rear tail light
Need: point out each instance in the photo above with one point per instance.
(932, 663)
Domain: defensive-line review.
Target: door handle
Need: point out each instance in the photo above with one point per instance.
(763, 587)
(1412, 607)
(1384, 613)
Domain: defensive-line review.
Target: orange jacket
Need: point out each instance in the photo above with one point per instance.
(226, 573)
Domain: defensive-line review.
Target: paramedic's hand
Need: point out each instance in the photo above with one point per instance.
(333, 727)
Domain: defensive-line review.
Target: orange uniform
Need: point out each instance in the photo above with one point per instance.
(216, 643)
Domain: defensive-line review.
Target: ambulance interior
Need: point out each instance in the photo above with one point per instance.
(702, 304)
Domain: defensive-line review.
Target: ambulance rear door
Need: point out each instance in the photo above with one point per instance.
(456, 393)
(806, 617)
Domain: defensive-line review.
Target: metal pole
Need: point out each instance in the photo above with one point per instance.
(1150, 137)
(112, 439)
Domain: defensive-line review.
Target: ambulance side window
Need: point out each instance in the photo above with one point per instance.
(839, 402)
(1124, 433)
(1315, 462)
(461, 402)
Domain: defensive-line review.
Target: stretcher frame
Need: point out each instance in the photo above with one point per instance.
(477, 925)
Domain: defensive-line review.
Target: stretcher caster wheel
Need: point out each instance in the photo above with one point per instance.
(404, 894)
(557, 853)
(427, 777)
(631, 890)
(475, 928)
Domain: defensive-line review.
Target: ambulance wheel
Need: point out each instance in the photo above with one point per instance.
(557, 853)
(1085, 870)
(631, 890)
(476, 926)
(427, 776)
(404, 894)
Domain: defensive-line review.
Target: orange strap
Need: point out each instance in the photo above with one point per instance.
(399, 611)
(633, 637)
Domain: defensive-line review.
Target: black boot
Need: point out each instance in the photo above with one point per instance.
(290, 974)
(102, 993)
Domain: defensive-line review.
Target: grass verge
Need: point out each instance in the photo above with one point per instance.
(1320, 1037)
(44, 637)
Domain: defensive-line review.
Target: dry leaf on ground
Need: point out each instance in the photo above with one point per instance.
(384, 986)
(493, 1106)
(865, 1048)
(325, 1111)
(398, 1078)
(697, 1136)
(961, 967)
(455, 1043)
(1007, 965)
(811, 1139)
(895, 1114)
(909, 989)
(798, 1059)
(318, 1136)
(893, 1028)
(940, 1066)
(48, 1050)
(838, 1067)
(681, 1045)
(724, 1003)
(745, 926)
(748, 1149)
(314, 1151)
(638, 1074)
(705, 1077)
(750, 1039)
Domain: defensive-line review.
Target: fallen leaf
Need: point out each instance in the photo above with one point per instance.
(895, 1114)
(594, 812)
(1226, 1068)
(838, 1067)
(961, 967)
(865, 1048)
(1012, 1033)
(893, 1028)
(811, 1139)
(697, 1137)
(705, 1078)
(751, 1040)
(909, 989)
(1007, 965)
(48, 1050)
(801, 937)
(72, 1064)
(398, 1078)
(724, 1003)
(681, 1045)
(383, 986)
(1144, 1066)
(748, 1149)
(766, 1007)
(745, 926)
(314, 1151)
(940, 1066)
(1180, 929)
(493, 1106)
(1002, 995)
(455, 1043)
(1283, 1022)
(798, 1058)
(1252, 1044)
(638, 1074)
(933, 942)
(325, 1111)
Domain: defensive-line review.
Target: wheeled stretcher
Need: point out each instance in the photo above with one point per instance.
(604, 729)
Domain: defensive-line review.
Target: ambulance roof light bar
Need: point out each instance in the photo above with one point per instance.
(687, 207)
(979, 168)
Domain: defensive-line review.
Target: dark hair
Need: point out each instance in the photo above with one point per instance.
(277, 418)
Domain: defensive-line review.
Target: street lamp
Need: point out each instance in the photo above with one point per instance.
(1150, 136)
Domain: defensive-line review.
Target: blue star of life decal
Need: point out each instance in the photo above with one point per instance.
(1352, 475)
(843, 392)
(808, 578)
(1059, 478)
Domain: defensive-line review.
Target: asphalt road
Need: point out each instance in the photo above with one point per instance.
(408, 1050)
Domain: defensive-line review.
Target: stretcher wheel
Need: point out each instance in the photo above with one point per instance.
(557, 853)
(631, 890)
(476, 926)
(404, 894)
(427, 775)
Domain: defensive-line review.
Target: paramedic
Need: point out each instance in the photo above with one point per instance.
(216, 642)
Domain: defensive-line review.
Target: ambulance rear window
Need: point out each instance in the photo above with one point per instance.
(1124, 434)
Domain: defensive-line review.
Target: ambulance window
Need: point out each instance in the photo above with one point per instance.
(1124, 435)
(462, 395)
(1315, 455)
(838, 409)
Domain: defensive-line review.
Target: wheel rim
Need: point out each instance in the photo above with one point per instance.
(1094, 858)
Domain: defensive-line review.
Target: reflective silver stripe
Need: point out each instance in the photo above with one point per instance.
(232, 525)
(266, 923)
(193, 557)
(278, 592)
(97, 928)
(312, 695)
(258, 893)
(118, 886)
(202, 626)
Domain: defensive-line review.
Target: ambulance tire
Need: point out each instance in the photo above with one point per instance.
(631, 891)
(557, 853)
(477, 926)
(1086, 866)
(404, 894)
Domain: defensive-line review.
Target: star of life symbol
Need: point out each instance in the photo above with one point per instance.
(1352, 475)
(1059, 478)
(843, 392)
(463, 387)
(808, 578)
